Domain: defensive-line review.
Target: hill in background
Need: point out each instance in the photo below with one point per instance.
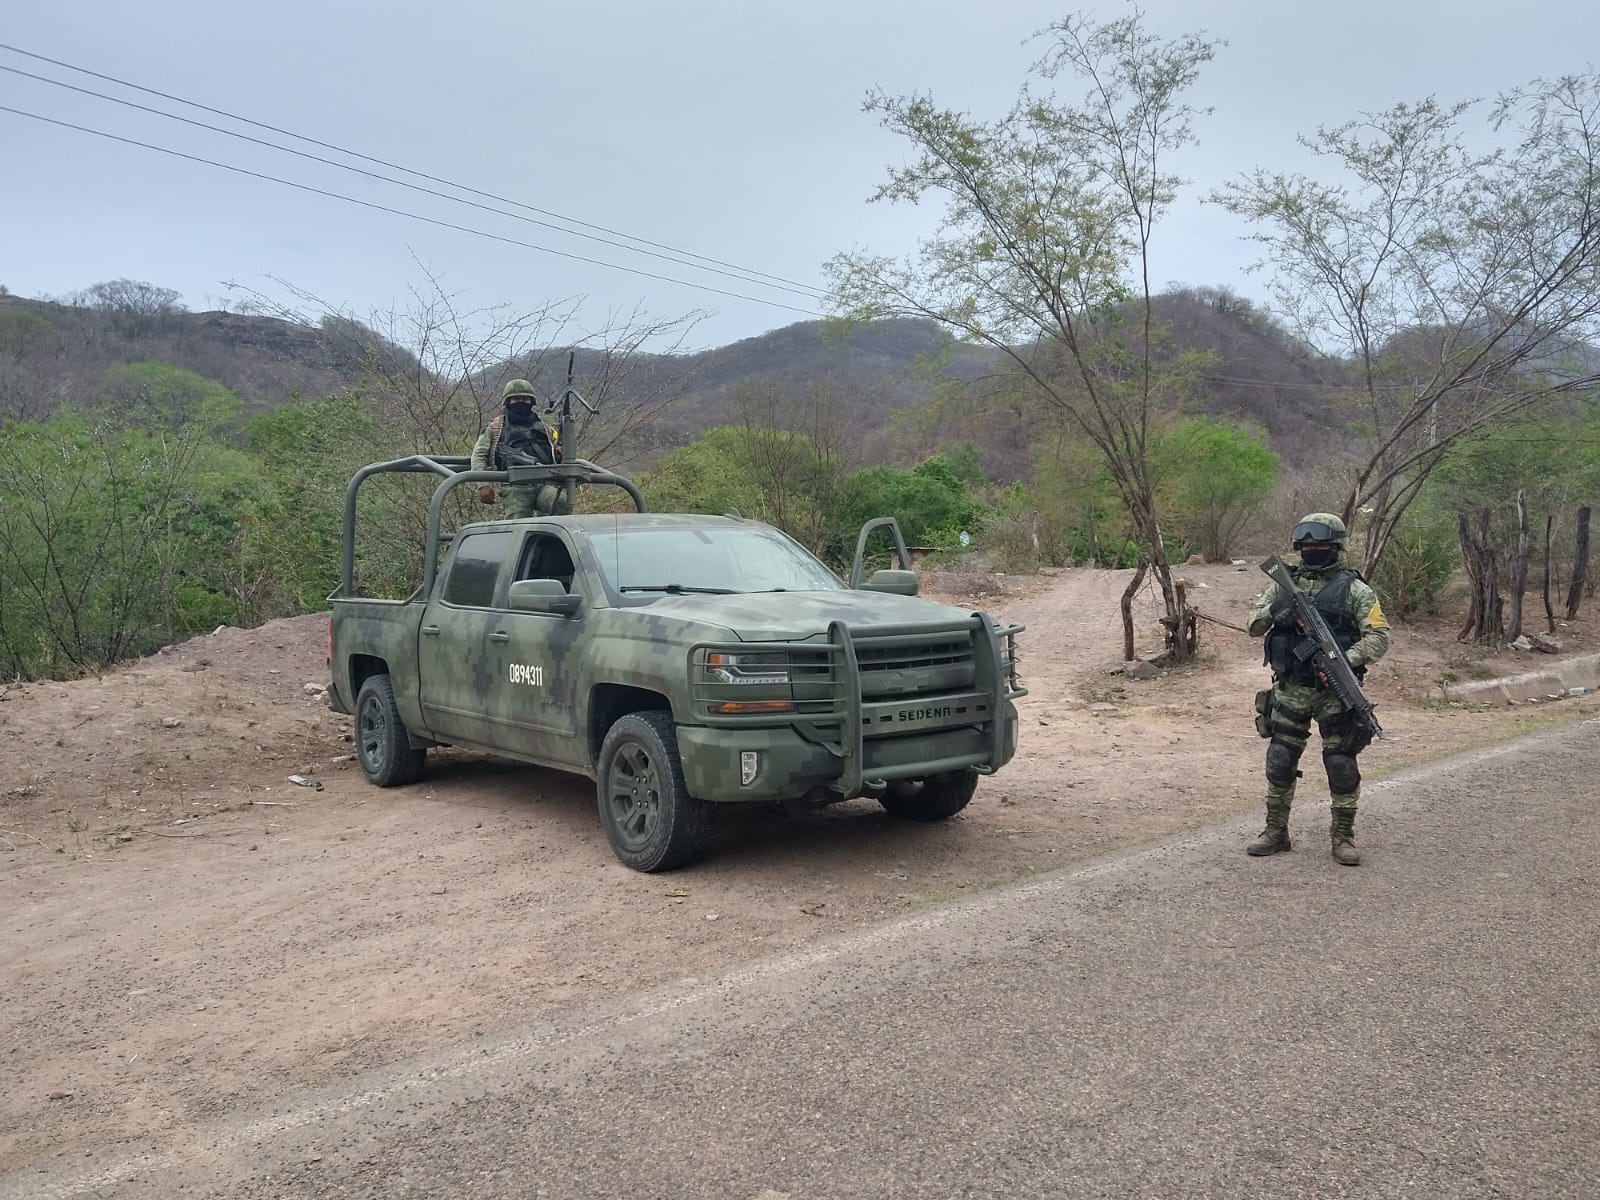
(52, 353)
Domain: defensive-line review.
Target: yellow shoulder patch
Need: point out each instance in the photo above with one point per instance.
(1375, 617)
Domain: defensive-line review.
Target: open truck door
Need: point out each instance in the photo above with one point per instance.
(901, 580)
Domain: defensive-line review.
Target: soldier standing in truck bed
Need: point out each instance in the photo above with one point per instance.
(519, 428)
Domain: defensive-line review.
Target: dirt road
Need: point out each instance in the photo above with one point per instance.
(187, 934)
(1175, 1020)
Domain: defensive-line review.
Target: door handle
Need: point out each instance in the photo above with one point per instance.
(431, 630)
(499, 635)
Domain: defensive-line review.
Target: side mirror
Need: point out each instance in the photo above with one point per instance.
(543, 596)
(898, 583)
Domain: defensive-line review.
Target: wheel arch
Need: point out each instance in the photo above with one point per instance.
(362, 667)
(609, 702)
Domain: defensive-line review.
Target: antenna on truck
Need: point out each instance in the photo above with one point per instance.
(568, 453)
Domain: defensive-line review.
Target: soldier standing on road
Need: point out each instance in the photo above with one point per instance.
(1351, 609)
(520, 429)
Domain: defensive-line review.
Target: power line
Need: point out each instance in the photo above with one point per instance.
(390, 165)
(1314, 387)
(400, 212)
(807, 293)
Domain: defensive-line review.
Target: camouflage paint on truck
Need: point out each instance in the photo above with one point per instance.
(534, 638)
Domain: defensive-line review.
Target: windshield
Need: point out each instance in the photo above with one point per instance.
(647, 563)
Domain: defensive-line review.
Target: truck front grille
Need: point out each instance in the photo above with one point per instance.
(907, 681)
(911, 672)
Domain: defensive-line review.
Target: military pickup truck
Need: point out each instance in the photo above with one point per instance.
(680, 661)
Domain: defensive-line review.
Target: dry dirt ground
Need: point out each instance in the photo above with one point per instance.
(184, 931)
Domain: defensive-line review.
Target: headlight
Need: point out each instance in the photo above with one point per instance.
(764, 670)
(749, 668)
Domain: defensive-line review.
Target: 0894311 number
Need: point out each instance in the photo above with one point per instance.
(524, 673)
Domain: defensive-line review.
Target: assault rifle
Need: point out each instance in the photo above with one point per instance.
(519, 458)
(1323, 653)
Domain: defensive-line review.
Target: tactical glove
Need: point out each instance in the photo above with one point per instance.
(1282, 613)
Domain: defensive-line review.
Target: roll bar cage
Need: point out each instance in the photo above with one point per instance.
(456, 469)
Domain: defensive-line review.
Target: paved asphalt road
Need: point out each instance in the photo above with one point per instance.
(1177, 1020)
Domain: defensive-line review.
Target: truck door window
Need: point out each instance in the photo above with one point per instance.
(475, 569)
(545, 556)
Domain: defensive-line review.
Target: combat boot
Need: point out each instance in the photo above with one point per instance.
(1274, 839)
(1344, 835)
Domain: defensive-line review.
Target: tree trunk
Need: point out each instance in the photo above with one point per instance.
(1172, 618)
(1580, 565)
(1127, 609)
(1483, 570)
(1464, 536)
(1549, 536)
(1181, 627)
(1518, 572)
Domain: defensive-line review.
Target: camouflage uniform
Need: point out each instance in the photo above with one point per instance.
(520, 499)
(1298, 697)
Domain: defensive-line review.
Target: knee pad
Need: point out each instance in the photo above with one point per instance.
(1344, 776)
(1282, 759)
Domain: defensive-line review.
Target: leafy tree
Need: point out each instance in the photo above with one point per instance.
(782, 463)
(27, 342)
(307, 451)
(795, 445)
(1077, 514)
(1423, 555)
(137, 308)
(710, 475)
(1462, 288)
(1214, 477)
(89, 559)
(155, 395)
(930, 502)
(1050, 215)
(1499, 486)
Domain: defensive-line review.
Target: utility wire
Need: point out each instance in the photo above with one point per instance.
(394, 166)
(400, 212)
(1313, 387)
(806, 293)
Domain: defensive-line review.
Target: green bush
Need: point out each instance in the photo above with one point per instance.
(1422, 555)
(1213, 477)
(307, 451)
(112, 541)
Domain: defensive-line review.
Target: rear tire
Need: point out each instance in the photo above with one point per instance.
(651, 820)
(933, 799)
(383, 747)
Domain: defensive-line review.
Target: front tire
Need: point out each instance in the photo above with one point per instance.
(651, 820)
(383, 747)
(936, 798)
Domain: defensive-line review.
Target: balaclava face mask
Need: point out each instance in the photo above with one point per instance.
(519, 414)
(1319, 557)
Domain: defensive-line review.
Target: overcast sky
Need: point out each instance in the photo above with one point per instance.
(731, 129)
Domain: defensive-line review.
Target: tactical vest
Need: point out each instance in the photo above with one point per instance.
(1285, 646)
(533, 440)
